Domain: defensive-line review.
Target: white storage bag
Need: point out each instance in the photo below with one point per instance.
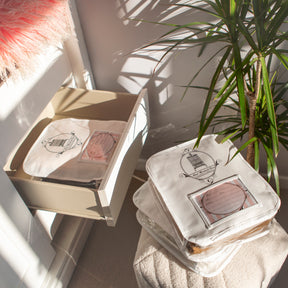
(154, 221)
(209, 200)
(73, 150)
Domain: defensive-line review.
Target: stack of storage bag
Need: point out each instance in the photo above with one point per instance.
(202, 206)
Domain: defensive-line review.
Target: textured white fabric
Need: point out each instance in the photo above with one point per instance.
(255, 264)
(209, 267)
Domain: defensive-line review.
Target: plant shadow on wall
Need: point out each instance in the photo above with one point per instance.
(251, 59)
(170, 115)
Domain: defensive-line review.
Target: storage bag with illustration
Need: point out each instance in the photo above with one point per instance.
(209, 199)
(74, 150)
(153, 219)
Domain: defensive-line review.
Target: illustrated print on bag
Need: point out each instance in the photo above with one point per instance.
(100, 146)
(198, 165)
(223, 199)
(61, 143)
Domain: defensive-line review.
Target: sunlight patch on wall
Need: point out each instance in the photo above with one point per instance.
(142, 69)
(13, 91)
(134, 61)
(132, 9)
(18, 254)
(173, 11)
(165, 94)
(132, 84)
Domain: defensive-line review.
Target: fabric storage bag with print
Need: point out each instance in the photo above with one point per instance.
(210, 200)
(74, 151)
(153, 219)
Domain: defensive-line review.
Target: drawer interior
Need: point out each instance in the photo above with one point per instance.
(106, 201)
(72, 103)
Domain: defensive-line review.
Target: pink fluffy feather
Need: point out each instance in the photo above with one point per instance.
(28, 26)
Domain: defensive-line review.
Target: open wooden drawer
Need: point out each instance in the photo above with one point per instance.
(106, 201)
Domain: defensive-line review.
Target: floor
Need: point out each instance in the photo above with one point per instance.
(107, 259)
(282, 217)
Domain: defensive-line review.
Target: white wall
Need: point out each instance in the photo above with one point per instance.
(111, 37)
(25, 248)
(27, 259)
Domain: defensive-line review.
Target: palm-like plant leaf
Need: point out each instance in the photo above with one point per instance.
(270, 107)
(250, 31)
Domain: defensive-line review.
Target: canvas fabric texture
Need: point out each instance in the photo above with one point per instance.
(74, 149)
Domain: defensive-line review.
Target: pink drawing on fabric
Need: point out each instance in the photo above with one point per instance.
(100, 146)
(224, 200)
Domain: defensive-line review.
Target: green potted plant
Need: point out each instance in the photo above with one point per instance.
(251, 39)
